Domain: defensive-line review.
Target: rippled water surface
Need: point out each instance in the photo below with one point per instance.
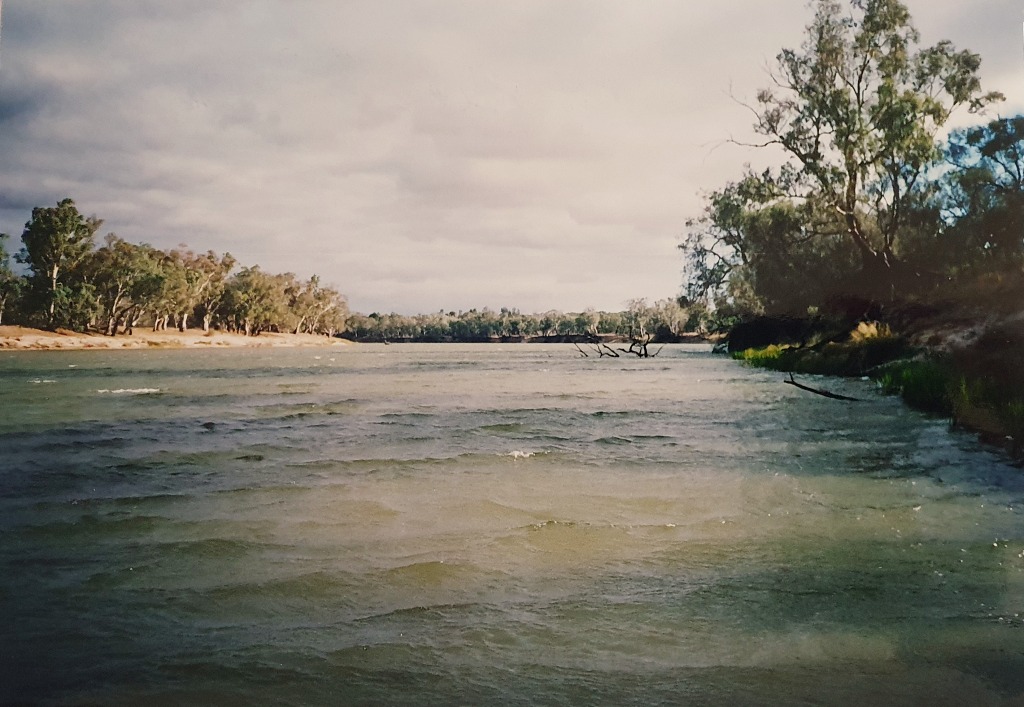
(492, 525)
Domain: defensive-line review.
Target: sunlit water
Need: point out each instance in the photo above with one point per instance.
(492, 525)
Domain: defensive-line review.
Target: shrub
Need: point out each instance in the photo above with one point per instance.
(924, 384)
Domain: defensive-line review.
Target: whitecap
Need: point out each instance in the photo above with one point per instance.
(129, 391)
(516, 454)
(42, 380)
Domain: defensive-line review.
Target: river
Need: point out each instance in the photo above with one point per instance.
(492, 524)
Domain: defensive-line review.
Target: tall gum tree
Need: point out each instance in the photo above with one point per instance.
(57, 240)
(858, 110)
(126, 278)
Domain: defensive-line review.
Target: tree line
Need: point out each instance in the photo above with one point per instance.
(72, 282)
(664, 320)
(877, 200)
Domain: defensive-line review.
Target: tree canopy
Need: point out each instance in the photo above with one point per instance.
(119, 285)
(858, 206)
(57, 240)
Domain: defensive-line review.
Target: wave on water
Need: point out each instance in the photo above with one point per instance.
(128, 391)
(38, 381)
(614, 440)
(518, 454)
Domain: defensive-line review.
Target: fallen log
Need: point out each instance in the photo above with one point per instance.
(823, 393)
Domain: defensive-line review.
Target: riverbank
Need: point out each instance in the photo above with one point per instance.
(963, 361)
(24, 338)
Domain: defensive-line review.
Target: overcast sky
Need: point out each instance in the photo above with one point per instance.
(416, 154)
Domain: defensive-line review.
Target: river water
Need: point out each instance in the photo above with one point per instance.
(492, 524)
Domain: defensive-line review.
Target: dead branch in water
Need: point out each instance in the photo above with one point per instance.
(600, 348)
(638, 344)
(823, 393)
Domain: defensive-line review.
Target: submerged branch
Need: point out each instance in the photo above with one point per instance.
(823, 393)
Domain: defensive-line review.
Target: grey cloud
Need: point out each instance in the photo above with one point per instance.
(22, 100)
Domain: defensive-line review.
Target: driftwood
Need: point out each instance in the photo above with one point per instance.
(823, 393)
(637, 347)
(600, 348)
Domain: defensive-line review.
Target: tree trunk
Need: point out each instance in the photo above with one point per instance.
(53, 292)
(878, 274)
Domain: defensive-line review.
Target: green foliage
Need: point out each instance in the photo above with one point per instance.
(856, 357)
(127, 279)
(768, 357)
(317, 309)
(119, 284)
(856, 210)
(933, 385)
(665, 319)
(73, 306)
(985, 196)
(858, 109)
(924, 384)
(11, 284)
(57, 241)
(256, 300)
(768, 253)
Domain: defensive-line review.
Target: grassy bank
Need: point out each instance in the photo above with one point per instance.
(981, 391)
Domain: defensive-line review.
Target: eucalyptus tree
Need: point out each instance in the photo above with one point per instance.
(11, 284)
(193, 282)
(127, 279)
(669, 319)
(586, 322)
(169, 299)
(256, 301)
(857, 112)
(57, 240)
(767, 253)
(215, 270)
(317, 309)
(333, 314)
(986, 191)
(548, 323)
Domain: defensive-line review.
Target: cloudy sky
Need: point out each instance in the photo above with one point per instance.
(416, 154)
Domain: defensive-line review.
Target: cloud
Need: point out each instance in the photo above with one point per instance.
(419, 155)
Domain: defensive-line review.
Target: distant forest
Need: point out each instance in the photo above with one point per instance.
(664, 321)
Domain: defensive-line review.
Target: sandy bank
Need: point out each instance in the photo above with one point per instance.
(23, 338)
